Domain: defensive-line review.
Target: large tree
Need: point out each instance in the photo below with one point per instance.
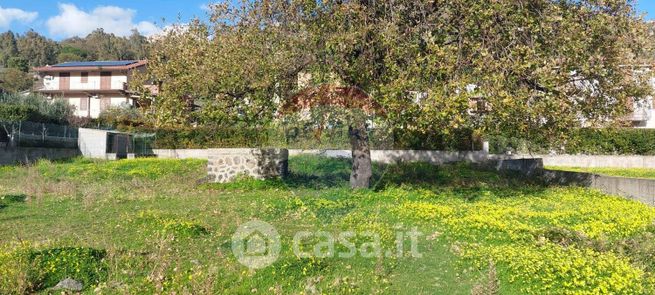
(36, 49)
(536, 67)
(8, 47)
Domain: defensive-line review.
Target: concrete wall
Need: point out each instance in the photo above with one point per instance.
(386, 156)
(592, 161)
(226, 164)
(441, 157)
(181, 154)
(395, 156)
(28, 155)
(642, 190)
(638, 189)
(93, 143)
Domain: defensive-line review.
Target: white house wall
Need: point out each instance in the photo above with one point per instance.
(118, 79)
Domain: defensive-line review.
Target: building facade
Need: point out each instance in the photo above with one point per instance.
(643, 115)
(90, 87)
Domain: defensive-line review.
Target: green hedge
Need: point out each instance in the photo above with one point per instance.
(305, 138)
(580, 141)
(625, 141)
(611, 141)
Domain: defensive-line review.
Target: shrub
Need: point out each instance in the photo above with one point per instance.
(24, 269)
(85, 265)
(305, 137)
(622, 141)
(16, 113)
(612, 141)
(35, 108)
(122, 117)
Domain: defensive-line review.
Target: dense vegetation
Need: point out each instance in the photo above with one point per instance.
(426, 67)
(149, 226)
(35, 108)
(589, 141)
(19, 53)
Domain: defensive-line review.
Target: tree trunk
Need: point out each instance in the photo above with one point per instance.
(360, 176)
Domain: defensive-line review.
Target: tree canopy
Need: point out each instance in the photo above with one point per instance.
(19, 53)
(527, 68)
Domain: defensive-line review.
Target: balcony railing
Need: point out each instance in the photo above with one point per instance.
(52, 86)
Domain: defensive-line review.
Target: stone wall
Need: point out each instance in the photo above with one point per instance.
(226, 164)
(28, 155)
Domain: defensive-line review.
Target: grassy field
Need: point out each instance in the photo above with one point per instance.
(621, 172)
(153, 226)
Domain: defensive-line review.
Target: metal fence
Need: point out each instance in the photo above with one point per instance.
(123, 143)
(31, 134)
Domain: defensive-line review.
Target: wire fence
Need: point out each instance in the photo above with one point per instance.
(31, 134)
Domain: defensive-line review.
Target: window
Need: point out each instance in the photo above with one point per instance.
(84, 104)
(85, 77)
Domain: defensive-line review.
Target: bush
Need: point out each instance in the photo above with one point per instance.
(85, 265)
(305, 138)
(25, 269)
(612, 141)
(121, 117)
(34, 108)
(620, 141)
(15, 113)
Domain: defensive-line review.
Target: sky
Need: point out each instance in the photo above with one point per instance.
(70, 18)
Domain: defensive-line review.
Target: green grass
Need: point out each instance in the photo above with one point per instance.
(152, 226)
(620, 172)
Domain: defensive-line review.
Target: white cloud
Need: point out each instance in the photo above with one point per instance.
(71, 21)
(9, 15)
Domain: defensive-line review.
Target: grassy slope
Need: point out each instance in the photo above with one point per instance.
(621, 172)
(151, 217)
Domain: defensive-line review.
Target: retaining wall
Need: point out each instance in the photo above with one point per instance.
(28, 154)
(395, 156)
(591, 161)
(382, 156)
(642, 190)
(225, 164)
(181, 154)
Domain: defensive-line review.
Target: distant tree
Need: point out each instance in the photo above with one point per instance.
(8, 47)
(71, 53)
(18, 63)
(14, 80)
(76, 47)
(108, 46)
(138, 45)
(36, 49)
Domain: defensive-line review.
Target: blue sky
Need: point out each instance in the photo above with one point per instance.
(69, 18)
